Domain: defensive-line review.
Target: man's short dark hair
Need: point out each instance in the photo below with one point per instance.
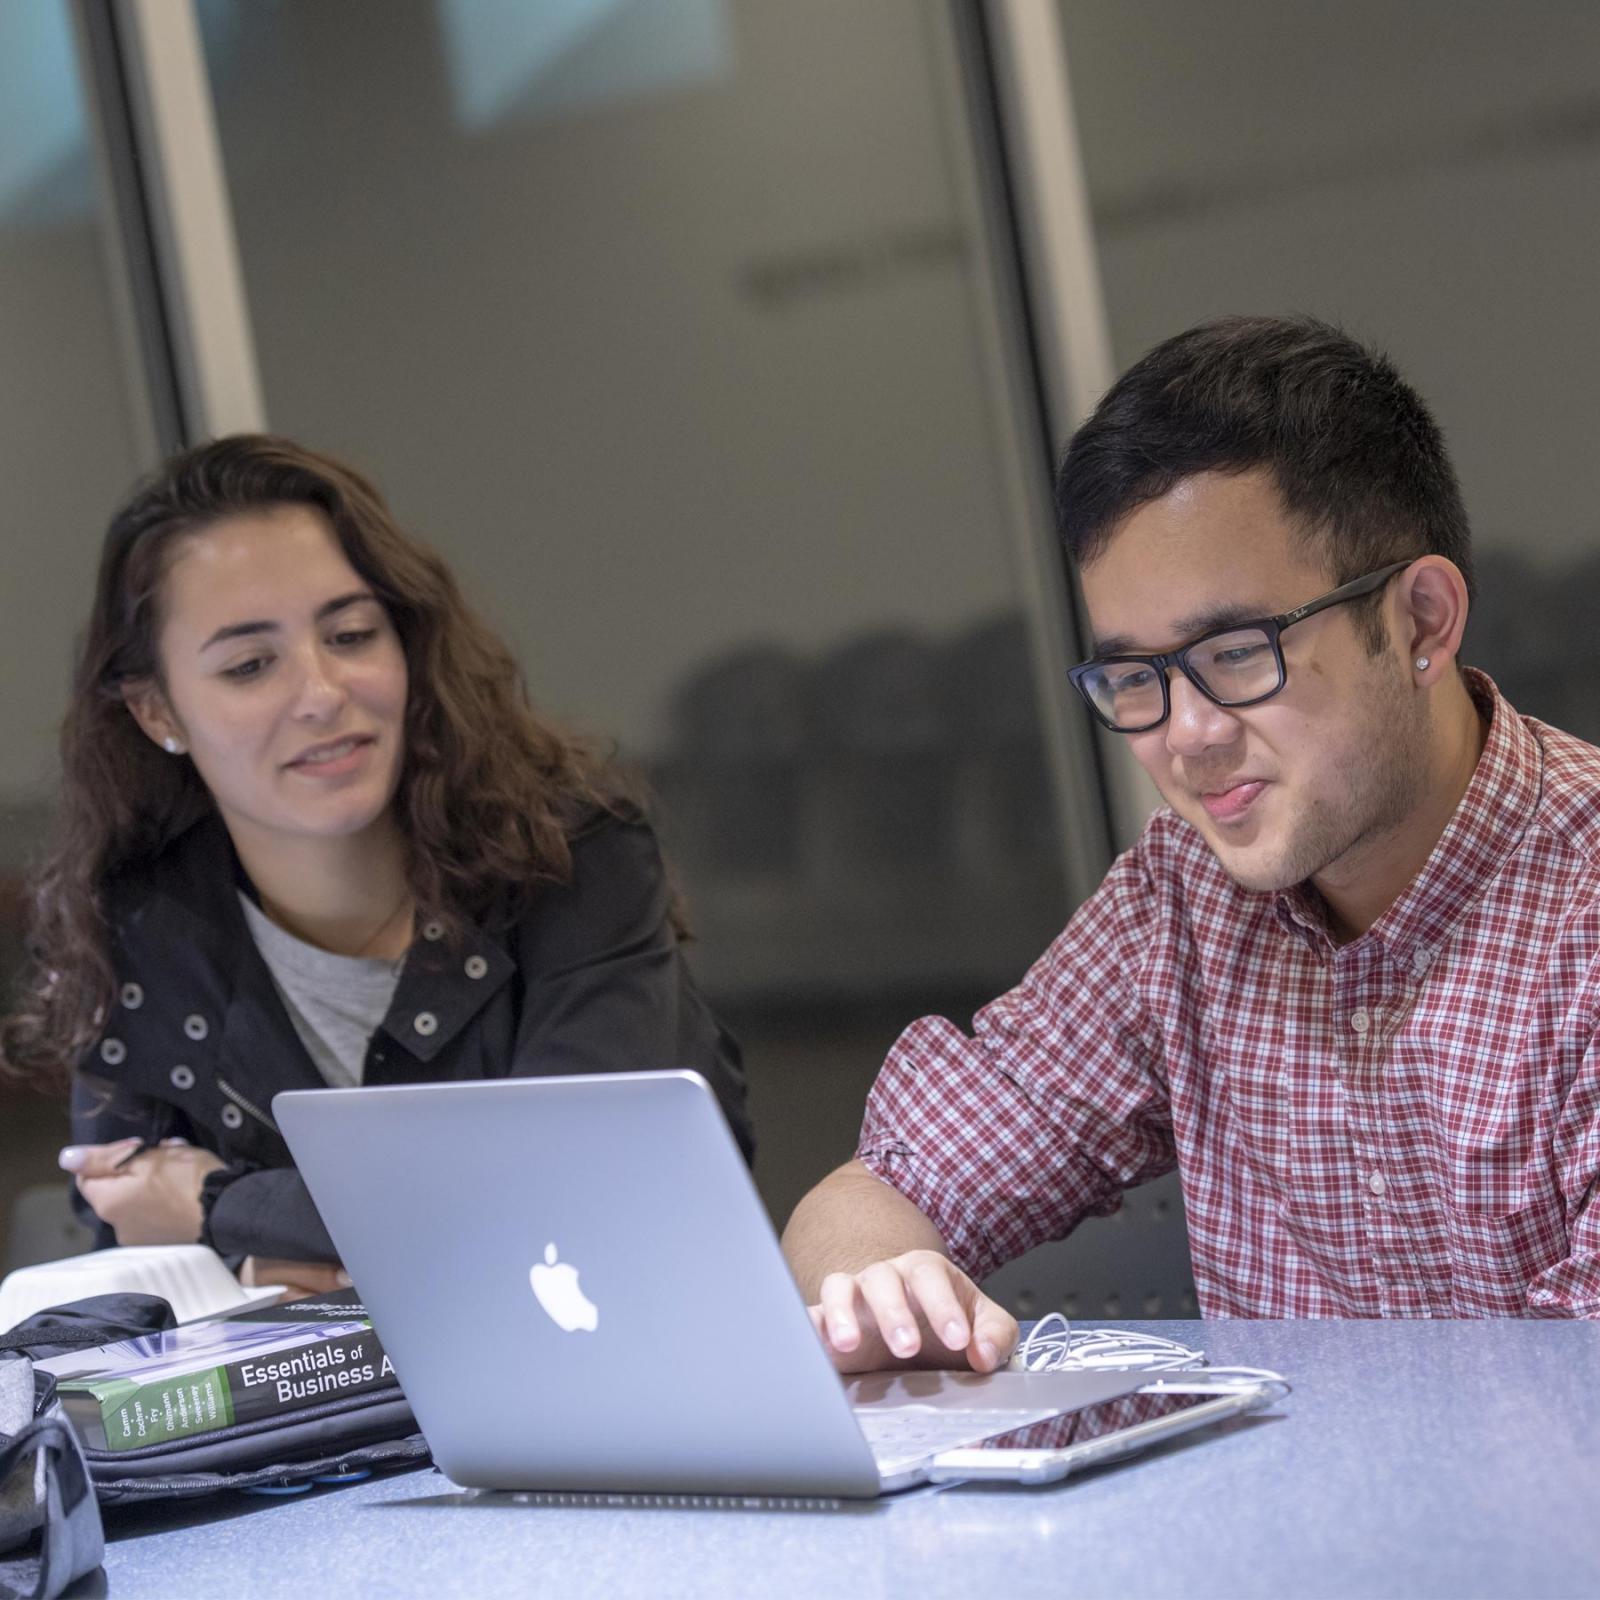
(1357, 457)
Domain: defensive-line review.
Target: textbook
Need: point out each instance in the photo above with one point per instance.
(205, 1376)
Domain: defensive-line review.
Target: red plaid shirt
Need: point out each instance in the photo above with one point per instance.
(1405, 1125)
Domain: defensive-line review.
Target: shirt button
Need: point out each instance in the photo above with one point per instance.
(476, 966)
(1360, 1021)
(426, 1023)
(1375, 1183)
(182, 1077)
(196, 1026)
(433, 930)
(132, 996)
(232, 1116)
(1419, 962)
(113, 1052)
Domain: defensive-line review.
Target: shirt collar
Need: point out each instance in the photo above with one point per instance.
(1486, 828)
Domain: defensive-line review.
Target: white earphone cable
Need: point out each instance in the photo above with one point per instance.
(1054, 1345)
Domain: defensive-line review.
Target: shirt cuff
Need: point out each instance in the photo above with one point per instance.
(211, 1187)
(895, 1164)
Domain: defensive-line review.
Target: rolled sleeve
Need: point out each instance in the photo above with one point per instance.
(1571, 1286)
(1053, 1106)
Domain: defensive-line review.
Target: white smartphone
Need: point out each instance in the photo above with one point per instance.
(1046, 1451)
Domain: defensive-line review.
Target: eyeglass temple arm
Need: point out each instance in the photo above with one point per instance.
(1346, 591)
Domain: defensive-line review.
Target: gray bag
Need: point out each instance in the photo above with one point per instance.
(50, 1532)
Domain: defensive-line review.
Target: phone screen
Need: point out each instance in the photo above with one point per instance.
(1093, 1422)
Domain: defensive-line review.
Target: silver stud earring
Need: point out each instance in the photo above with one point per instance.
(1422, 663)
(171, 745)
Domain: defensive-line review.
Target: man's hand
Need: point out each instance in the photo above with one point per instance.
(299, 1278)
(152, 1197)
(910, 1305)
(916, 1309)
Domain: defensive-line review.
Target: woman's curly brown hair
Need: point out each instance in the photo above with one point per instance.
(488, 795)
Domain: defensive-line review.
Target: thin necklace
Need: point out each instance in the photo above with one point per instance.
(403, 904)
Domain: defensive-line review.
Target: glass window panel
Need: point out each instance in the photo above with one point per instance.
(70, 443)
(669, 322)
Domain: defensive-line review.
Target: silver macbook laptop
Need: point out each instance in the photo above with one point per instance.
(580, 1291)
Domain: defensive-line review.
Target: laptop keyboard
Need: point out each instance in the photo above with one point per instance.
(902, 1436)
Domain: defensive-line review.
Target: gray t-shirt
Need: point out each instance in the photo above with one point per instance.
(335, 1002)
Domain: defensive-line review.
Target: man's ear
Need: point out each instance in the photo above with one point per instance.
(1433, 597)
(149, 708)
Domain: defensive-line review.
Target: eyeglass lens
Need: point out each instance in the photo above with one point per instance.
(1231, 667)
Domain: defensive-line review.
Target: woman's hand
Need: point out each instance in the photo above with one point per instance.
(148, 1197)
(299, 1278)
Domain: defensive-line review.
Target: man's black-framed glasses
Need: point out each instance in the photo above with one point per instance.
(1240, 664)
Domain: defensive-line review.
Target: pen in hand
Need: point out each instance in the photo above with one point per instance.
(72, 1158)
(138, 1150)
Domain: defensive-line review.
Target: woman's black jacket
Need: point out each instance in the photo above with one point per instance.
(588, 977)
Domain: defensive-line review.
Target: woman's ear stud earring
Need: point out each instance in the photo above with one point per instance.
(171, 745)
(1422, 663)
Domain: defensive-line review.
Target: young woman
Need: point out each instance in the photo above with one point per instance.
(311, 831)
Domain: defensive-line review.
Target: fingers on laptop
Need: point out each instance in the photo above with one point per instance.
(917, 1304)
(849, 1335)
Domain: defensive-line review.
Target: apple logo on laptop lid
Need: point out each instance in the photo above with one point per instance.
(555, 1286)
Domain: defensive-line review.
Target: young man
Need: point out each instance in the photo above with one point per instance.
(1348, 980)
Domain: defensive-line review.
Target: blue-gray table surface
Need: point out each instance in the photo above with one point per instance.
(1413, 1458)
